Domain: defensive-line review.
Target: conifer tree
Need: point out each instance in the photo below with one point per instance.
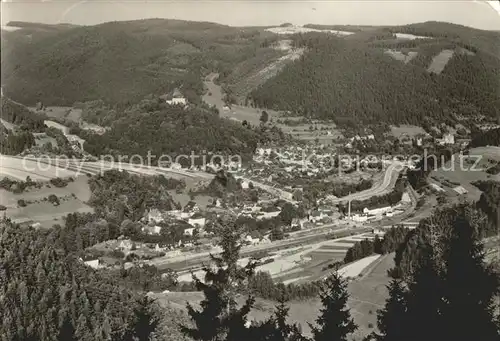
(470, 287)
(220, 318)
(145, 320)
(392, 320)
(425, 299)
(66, 330)
(276, 327)
(335, 321)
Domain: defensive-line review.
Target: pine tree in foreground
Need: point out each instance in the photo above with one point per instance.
(66, 330)
(145, 320)
(451, 292)
(335, 321)
(470, 288)
(424, 300)
(276, 327)
(220, 318)
(392, 320)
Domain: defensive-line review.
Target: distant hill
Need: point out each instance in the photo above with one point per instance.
(353, 80)
(119, 62)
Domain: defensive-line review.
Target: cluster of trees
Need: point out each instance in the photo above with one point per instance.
(438, 230)
(489, 138)
(262, 285)
(118, 195)
(450, 289)
(15, 143)
(61, 182)
(418, 177)
(361, 84)
(63, 145)
(489, 203)
(16, 186)
(46, 294)
(175, 131)
(83, 230)
(143, 278)
(21, 116)
(389, 243)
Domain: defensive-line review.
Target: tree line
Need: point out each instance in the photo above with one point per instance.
(391, 241)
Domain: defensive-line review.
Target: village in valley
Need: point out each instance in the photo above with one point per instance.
(231, 154)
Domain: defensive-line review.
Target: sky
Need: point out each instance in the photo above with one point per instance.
(478, 14)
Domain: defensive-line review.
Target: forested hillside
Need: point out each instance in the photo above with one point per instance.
(489, 138)
(121, 62)
(69, 300)
(353, 80)
(173, 131)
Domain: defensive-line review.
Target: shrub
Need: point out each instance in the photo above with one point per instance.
(54, 199)
(58, 182)
(21, 203)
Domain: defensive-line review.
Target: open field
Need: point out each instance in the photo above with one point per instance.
(439, 61)
(325, 132)
(400, 55)
(406, 129)
(489, 152)
(69, 113)
(72, 198)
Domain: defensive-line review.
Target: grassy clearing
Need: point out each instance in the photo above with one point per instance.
(72, 198)
(439, 61)
(405, 129)
(401, 55)
(69, 113)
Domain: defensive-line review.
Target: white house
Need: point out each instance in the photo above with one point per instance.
(175, 101)
(377, 211)
(359, 218)
(155, 216)
(125, 245)
(189, 231)
(244, 184)
(297, 222)
(448, 139)
(268, 215)
(197, 222)
(177, 98)
(152, 229)
(251, 240)
(94, 264)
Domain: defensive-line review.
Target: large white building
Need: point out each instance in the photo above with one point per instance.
(177, 98)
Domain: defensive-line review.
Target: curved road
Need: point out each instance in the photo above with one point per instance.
(52, 168)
